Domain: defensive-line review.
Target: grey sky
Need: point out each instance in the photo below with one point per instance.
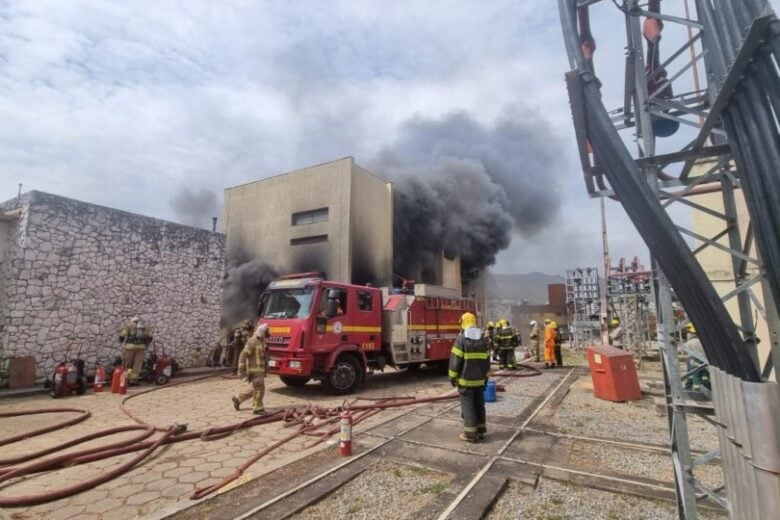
(143, 105)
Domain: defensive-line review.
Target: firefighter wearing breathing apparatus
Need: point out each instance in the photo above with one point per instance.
(251, 365)
(135, 337)
(506, 341)
(468, 370)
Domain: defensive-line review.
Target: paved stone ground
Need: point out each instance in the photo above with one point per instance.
(165, 481)
(424, 436)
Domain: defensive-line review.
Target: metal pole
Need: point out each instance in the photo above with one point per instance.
(678, 426)
(605, 301)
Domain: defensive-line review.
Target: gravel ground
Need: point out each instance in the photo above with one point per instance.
(554, 500)
(581, 413)
(375, 494)
(636, 463)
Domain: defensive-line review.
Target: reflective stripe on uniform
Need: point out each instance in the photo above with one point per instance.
(471, 383)
(475, 355)
(458, 352)
(453, 374)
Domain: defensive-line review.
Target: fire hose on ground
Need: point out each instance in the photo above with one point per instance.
(301, 418)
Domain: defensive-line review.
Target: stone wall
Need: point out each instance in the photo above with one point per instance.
(74, 272)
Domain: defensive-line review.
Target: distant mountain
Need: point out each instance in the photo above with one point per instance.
(531, 287)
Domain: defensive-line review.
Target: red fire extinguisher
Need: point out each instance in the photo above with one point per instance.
(100, 376)
(123, 377)
(345, 444)
(116, 378)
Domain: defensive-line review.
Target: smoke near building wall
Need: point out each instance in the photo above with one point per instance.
(466, 189)
(196, 208)
(245, 280)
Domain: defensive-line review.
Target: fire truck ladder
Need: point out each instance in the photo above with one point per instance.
(727, 122)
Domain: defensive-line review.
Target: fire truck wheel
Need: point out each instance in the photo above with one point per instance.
(294, 381)
(344, 376)
(161, 379)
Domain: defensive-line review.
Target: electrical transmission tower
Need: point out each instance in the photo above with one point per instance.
(701, 106)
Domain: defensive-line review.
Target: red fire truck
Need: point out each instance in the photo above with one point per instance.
(338, 333)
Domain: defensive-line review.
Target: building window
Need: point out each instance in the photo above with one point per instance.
(310, 217)
(314, 239)
(365, 301)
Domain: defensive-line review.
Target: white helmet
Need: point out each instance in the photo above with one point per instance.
(262, 331)
(135, 319)
(533, 322)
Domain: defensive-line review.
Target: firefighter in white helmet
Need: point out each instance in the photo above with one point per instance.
(135, 337)
(251, 365)
(533, 335)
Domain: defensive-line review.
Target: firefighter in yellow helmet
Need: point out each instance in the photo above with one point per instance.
(251, 365)
(615, 333)
(549, 344)
(506, 341)
(468, 370)
(490, 336)
(697, 363)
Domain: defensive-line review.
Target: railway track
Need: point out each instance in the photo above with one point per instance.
(518, 448)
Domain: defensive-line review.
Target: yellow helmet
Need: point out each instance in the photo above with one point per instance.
(614, 322)
(554, 324)
(547, 321)
(468, 320)
(491, 325)
(691, 328)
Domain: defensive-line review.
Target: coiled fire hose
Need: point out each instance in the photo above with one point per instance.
(301, 418)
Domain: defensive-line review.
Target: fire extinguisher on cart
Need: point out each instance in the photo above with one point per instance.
(345, 443)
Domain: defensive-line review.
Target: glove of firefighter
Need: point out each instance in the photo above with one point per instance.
(454, 382)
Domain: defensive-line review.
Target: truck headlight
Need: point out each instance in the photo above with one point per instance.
(295, 364)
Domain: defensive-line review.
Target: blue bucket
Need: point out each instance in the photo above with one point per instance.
(490, 391)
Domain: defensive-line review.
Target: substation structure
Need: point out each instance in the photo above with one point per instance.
(583, 306)
(630, 300)
(703, 112)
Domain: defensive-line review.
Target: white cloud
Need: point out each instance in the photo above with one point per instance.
(127, 103)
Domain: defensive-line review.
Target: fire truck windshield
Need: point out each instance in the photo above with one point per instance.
(288, 303)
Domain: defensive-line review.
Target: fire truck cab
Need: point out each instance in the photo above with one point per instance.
(337, 333)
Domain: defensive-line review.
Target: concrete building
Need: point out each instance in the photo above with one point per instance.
(72, 273)
(555, 310)
(718, 264)
(336, 218)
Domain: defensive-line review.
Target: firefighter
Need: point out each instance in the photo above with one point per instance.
(135, 337)
(490, 336)
(506, 341)
(615, 333)
(533, 335)
(251, 365)
(697, 359)
(238, 339)
(468, 370)
(558, 343)
(549, 344)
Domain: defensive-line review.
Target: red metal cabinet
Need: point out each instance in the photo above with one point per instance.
(614, 374)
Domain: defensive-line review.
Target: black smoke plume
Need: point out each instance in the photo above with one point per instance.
(464, 189)
(196, 208)
(244, 282)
